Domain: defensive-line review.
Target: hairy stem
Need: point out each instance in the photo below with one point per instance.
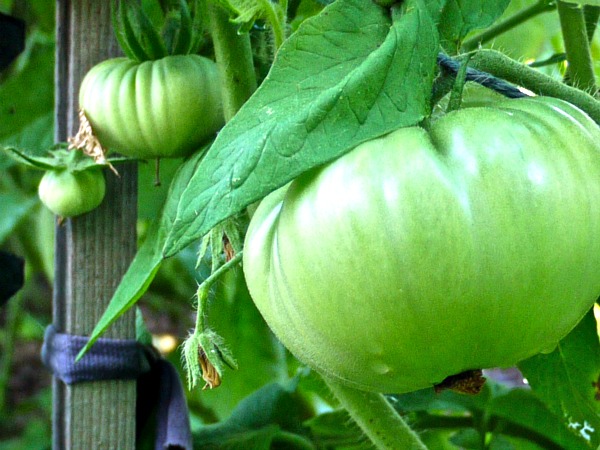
(509, 23)
(501, 66)
(376, 417)
(572, 22)
(234, 58)
(277, 21)
(459, 84)
(205, 286)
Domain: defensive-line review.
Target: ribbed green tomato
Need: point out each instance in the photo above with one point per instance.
(427, 253)
(69, 194)
(164, 108)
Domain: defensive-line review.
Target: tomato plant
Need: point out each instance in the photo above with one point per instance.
(69, 194)
(413, 225)
(155, 109)
(429, 252)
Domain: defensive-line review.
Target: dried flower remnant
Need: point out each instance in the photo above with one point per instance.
(468, 382)
(86, 141)
(209, 372)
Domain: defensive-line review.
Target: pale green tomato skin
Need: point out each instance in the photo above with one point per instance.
(155, 109)
(423, 254)
(70, 194)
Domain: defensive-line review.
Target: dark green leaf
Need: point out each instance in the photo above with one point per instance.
(568, 380)
(147, 260)
(28, 96)
(15, 207)
(467, 439)
(37, 137)
(257, 419)
(335, 429)
(346, 76)
(459, 17)
(526, 414)
(447, 400)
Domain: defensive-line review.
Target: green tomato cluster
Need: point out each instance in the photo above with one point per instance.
(155, 109)
(69, 194)
(429, 252)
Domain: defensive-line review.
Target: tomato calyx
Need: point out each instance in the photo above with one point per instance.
(206, 356)
(178, 33)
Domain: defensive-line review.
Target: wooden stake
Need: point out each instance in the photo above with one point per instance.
(93, 251)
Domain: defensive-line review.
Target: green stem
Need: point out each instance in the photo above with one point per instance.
(276, 20)
(376, 417)
(204, 289)
(458, 87)
(234, 58)
(574, 31)
(508, 24)
(501, 66)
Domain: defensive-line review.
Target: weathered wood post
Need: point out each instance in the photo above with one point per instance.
(92, 251)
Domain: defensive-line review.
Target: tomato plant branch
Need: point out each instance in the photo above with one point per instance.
(204, 351)
(234, 58)
(508, 24)
(581, 71)
(376, 417)
(502, 66)
(205, 286)
(459, 84)
(275, 14)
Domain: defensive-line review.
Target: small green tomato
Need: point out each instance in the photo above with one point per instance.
(69, 194)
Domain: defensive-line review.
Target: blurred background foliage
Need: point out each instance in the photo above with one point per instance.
(271, 401)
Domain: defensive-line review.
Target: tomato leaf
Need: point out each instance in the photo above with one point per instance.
(257, 419)
(348, 75)
(15, 206)
(334, 429)
(26, 97)
(148, 258)
(586, 2)
(521, 407)
(568, 380)
(458, 18)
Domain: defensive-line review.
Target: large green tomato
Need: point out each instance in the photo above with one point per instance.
(427, 253)
(163, 108)
(69, 194)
